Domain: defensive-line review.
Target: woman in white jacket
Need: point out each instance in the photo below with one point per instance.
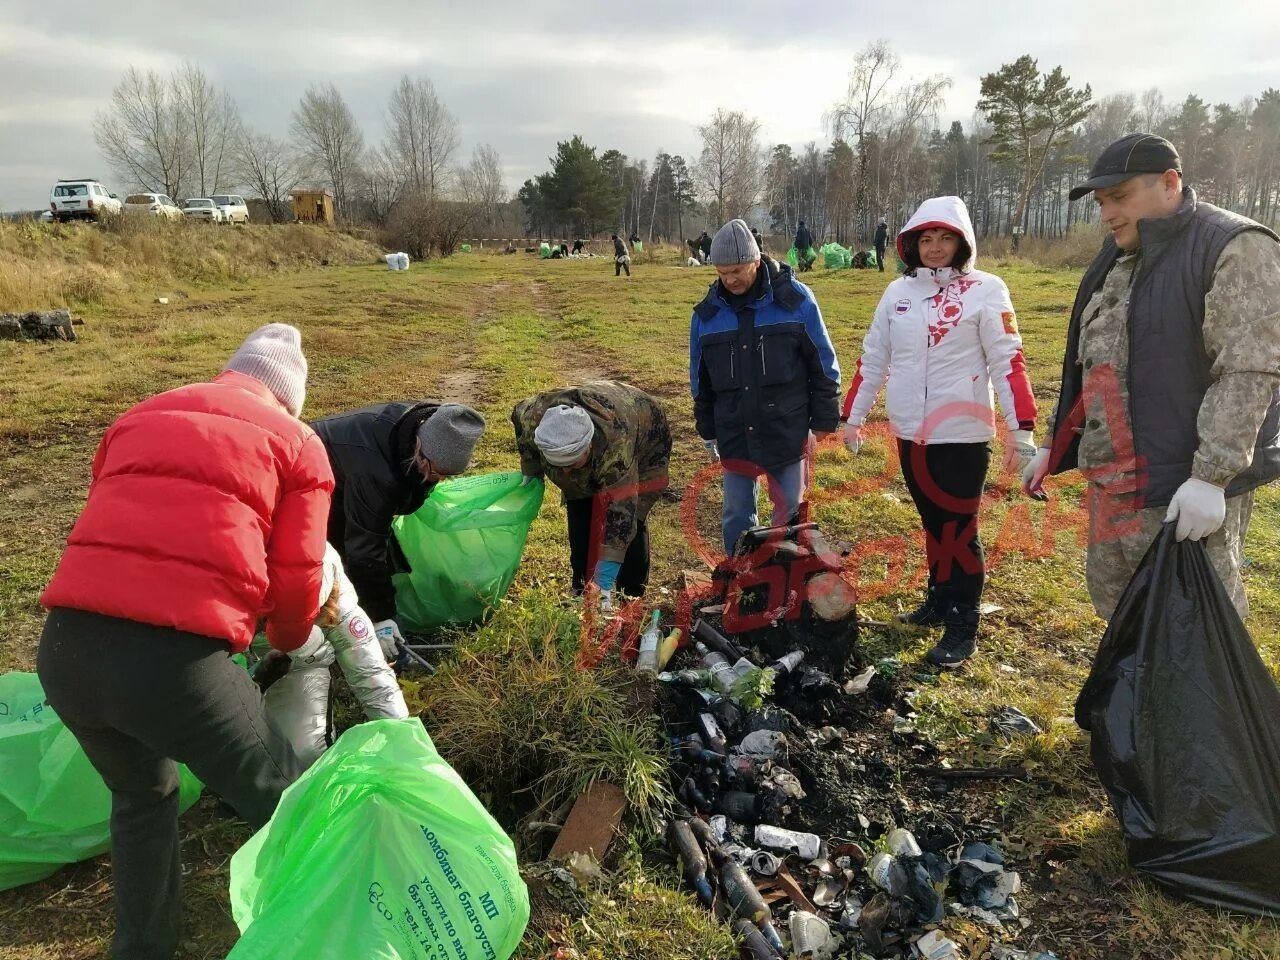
(943, 335)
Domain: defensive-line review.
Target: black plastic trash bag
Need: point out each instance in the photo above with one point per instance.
(1185, 723)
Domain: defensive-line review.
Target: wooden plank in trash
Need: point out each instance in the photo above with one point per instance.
(592, 823)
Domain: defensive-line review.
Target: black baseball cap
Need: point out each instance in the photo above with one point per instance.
(1127, 157)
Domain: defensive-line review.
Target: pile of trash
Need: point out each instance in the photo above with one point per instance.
(397, 261)
(793, 763)
(836, 257)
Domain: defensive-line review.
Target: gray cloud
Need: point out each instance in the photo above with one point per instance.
(637, 77)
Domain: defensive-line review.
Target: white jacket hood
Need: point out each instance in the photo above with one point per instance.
(948, 212)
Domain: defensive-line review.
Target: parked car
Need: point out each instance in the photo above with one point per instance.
(201, 208)
(156, 204)
(233, 207)
(82, 199)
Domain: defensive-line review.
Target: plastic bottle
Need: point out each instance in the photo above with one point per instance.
(647, 657)
(745, 900)
(668, 647)
(694, 865)
(807, 846)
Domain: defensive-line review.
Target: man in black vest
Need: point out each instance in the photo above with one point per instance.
(1169, 402)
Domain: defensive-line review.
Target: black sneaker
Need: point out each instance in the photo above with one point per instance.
(925, 615)
(959, 640)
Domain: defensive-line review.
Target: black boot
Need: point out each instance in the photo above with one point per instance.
(959, 640)
(928, 614)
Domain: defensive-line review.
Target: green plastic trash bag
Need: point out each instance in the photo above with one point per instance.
(54, 807)
(463, 546)
(638, 246)
(466, 248)
(379, 851)
(544, 250)
(834, 256)
(792, 257)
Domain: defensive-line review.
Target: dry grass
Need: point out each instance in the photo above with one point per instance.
(44, 266)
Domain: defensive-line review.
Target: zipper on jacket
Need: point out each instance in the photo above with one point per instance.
(731, 364)
(764, 367)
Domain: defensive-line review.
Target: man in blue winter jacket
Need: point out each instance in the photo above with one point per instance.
(764, 376)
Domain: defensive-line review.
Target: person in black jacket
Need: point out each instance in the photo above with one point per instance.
(704, 245)
(764, 377)
(386, 460)
(881, 241)
(804, 243)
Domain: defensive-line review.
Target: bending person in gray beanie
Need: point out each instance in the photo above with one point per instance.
(606, 445)
(386, 460)
(764, 378)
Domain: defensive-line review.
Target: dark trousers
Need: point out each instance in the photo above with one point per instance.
(138, 698)
(619, 266)
(880, 257)
(633, 577)
(945, 481)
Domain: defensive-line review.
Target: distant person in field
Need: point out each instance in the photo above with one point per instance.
(606, 445)
(206, 514)
(386, 460)
(803, 244)
(704, 247)
(578, 246)
(764, 378)
(1169, 403)
(942, 336)
(621, 259)
(755, 232)
(881, 241)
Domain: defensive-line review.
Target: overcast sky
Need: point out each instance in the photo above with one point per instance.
(637, 76)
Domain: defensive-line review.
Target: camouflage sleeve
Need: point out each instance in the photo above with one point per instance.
(1242, 338)
(524, 424)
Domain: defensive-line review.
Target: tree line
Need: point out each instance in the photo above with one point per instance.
(1032, 135)
(180, 135)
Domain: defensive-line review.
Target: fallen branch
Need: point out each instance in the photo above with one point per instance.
(974, 773)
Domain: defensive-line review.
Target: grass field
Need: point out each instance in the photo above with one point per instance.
(492, 329)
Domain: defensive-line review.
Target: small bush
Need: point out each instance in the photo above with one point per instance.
(528, 730)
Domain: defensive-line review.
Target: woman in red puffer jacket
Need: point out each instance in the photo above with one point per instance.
(206, 513)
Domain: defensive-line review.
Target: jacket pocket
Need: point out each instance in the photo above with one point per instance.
(777, 354)
(724, 368)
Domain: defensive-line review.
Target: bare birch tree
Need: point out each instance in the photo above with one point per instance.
(330, 138)
(422, 135)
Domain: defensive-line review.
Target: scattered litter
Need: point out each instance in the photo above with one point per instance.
(1011, 722)
(987, 608)
(807, 846)
(810, 936)
(162, 300)
(934, 946)
(860, 683)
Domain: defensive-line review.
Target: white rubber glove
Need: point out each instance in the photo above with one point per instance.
(713, 450)
(1033, 474)
(1199, 507)
(388, 634)
(853, 438)
(1019, 450)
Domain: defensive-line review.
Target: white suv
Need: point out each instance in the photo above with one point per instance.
(84, 199)
(233, 207)
(156, 204)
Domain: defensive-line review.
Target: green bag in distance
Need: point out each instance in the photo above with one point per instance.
(544, 250)
(54, 807)
(379, 851)
(463, 546)
(792, 257)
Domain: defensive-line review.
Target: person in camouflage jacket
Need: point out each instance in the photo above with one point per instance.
(606, 445)
(1169, 403)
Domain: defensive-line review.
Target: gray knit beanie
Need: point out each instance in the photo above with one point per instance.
(564, 434)
(734, 244)
(448, 437)
(273, 356)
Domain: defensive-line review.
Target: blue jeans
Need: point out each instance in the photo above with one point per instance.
(785, 486)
